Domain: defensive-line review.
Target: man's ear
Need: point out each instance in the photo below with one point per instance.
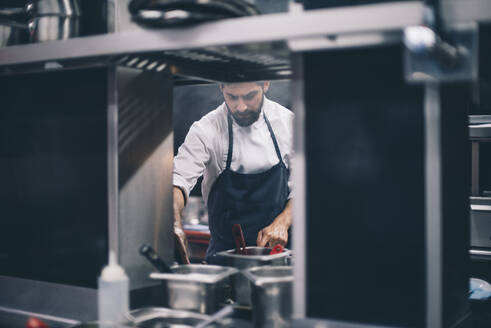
(266, 86)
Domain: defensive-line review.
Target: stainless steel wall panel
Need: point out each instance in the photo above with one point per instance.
(146, 155)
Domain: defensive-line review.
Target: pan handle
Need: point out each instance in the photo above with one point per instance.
(240, 245)
(149, 253)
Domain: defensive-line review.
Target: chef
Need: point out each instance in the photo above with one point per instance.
(243, 150)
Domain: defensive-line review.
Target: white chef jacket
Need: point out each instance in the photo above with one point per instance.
(204, 151)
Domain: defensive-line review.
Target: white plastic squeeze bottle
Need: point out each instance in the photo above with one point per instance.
(113, 293)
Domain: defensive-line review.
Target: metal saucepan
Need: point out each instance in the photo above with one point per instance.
(42, 20)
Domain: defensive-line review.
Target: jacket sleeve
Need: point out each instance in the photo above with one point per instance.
(191, 160)
(290, 155)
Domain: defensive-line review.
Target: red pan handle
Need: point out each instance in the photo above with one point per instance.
(35, 323)
(277, 249)
(240, 246)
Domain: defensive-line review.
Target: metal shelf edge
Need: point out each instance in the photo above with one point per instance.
(255, 29)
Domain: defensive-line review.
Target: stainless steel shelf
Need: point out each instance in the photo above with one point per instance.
(479, 254)
(206, 51)
(233, 49)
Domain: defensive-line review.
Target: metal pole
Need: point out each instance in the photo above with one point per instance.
(433, 175)
(299, 192)
(112, 163)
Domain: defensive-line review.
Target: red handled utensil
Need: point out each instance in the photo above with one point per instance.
(277, 249)
(240, 246)
(35, 323)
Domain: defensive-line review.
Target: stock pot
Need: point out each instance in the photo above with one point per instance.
(41, 20)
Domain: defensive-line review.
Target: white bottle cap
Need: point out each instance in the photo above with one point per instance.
(113, 272)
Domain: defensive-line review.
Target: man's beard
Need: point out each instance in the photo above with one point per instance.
(248, 117)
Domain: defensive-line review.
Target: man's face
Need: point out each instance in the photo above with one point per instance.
(244, 100)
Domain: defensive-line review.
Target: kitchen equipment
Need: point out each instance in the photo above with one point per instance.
(256, 256)
(35, 323)
(277, 249)
(63, 8)
(479, 289)
(165, 13)
(13, 26)
(271, 294)
(41, 20)
(113, 292)
(195, 287)
(53, 19)
(12, 33)
(154, 317)
(54, 27)
(480, 219)
(226, 311)
(240, 245)
(149, 253)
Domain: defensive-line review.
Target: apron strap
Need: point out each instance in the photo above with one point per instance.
(231, 139)
(274, 138)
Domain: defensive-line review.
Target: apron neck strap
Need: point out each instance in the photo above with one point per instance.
(278, 153)
(231, 139)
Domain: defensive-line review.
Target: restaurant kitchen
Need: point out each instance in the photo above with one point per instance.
(389, 163)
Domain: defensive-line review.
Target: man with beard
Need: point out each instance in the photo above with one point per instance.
(243, 150)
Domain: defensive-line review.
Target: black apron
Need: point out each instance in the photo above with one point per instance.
(251, 200)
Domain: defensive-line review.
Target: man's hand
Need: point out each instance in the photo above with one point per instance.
(277, 232)
(181, 246)
(180, 240)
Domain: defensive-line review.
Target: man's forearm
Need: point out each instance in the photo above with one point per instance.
(285, 217)
(178, 206)
(181, 240)
(277, 231)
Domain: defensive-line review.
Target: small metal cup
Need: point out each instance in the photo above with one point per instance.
(195, 287)
(271, 294)
(256, 256)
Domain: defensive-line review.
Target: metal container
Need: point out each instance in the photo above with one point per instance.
(156, 317)
(271, 293)
(40, 20)
(195, 287)
(53, 19)
(257, 256)
(13, 26)
(53, 7)
(12, 35)
(480, 222)
(50, 28)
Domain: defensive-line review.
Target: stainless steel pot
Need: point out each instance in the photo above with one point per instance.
(156, 317)
(195, 287)
(152, 317)
(50, 28)
(65, 8)
(256, 256)
(13, 26)
(13, 34)
(271, 294)
(41, 20)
